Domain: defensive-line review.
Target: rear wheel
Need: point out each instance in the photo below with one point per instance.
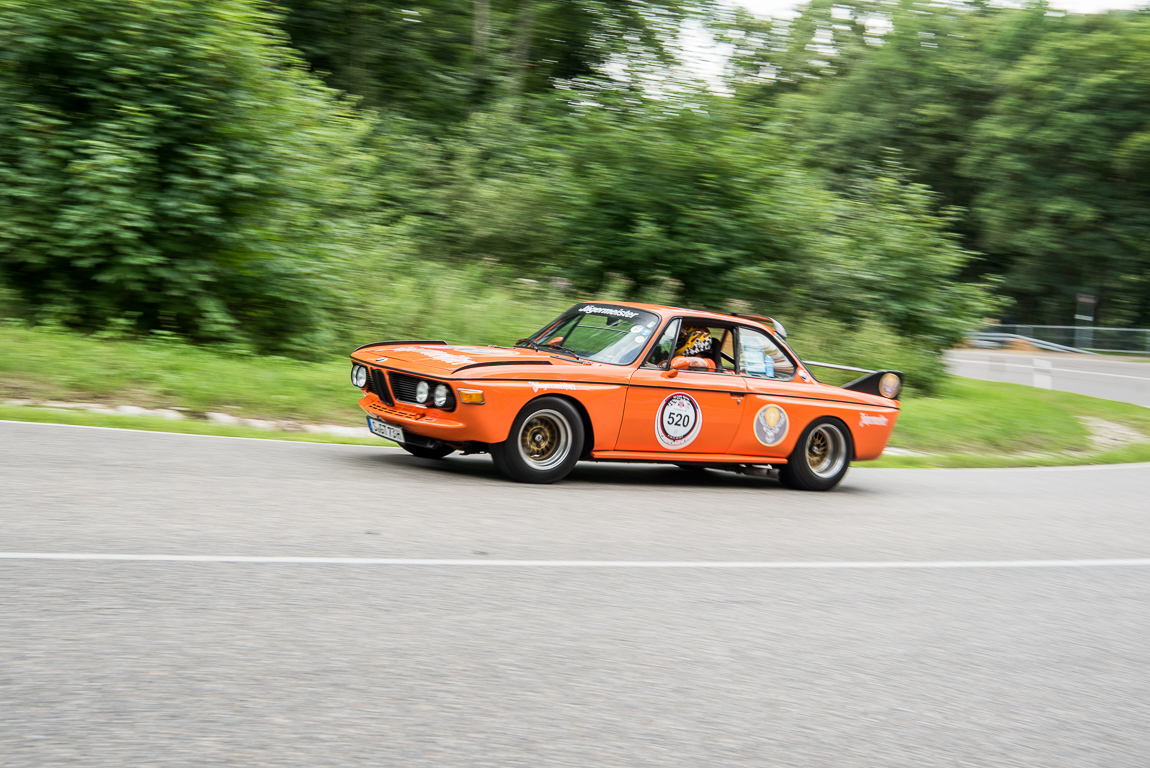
(821, 457)
(428, 453)
(544, 444)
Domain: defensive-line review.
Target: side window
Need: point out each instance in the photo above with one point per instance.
(712, 347)
(661, 353)
(761, 358)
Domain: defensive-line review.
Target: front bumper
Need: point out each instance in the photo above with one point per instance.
(436, 424)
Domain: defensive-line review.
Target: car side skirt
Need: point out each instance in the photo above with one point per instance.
(663, 457)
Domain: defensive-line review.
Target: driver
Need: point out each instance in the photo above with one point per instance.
(696, 341)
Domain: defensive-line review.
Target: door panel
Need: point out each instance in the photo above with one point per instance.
(695, 412)
(776, 410)
(779, 424)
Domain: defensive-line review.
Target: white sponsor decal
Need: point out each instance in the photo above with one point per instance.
(678, 422)
(436, 354)
(865, 419)
(546, 385)
(616, 312)
(483, 351)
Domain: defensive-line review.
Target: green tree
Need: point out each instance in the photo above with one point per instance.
(1029, 124)
(168, 162)
(437, 61)
(415, 58)
(696, 201)
(1062, 164)
(773, 57)
(915, 87)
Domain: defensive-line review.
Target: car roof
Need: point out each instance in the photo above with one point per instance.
(666, 312)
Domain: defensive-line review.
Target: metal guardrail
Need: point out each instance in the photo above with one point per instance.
(999, 339)
(838, 367)
(1081, 337)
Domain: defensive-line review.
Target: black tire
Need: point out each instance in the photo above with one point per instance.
(428, 453)
(821, 457)
(544, 444)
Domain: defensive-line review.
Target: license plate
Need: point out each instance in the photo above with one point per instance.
(383, 429)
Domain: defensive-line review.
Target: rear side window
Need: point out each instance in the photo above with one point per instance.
(760, 357)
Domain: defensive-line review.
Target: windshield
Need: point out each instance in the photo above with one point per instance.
(603, 333)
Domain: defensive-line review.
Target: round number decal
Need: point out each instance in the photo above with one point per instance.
(771, 425)
(678, 421)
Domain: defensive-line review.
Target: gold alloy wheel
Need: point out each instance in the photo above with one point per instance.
(826, 450)
(545, 440)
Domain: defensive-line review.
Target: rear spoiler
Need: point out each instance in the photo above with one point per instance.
(872, 383)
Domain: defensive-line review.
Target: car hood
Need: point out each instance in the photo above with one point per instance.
(449, 358)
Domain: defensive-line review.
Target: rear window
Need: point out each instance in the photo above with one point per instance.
(761, 358)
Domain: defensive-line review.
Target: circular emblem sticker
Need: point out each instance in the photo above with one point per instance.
(771, 425)
(678, 421)
(889, 385)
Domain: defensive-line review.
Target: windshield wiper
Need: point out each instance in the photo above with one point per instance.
(562, 348)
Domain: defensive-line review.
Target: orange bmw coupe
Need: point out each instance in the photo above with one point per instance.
(610, 381)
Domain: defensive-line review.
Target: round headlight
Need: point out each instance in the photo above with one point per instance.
(358, 375)
(440, 395)
(421, 392)
(889, 385)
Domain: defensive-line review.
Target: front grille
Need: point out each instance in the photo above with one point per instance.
(378, 385)
(403, 386)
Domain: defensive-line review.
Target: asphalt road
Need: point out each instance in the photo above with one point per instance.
(1107, 376)
(299, 663)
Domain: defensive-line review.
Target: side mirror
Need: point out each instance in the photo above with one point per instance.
(678, 364)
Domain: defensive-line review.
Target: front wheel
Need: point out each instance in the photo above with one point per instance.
(545, 442)
(821, 457)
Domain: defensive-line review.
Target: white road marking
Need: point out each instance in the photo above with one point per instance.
(765, 565)
(1055, 370)
(1101, 359)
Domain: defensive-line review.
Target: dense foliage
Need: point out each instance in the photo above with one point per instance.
(166, 163)
(696, 205)
(437, 61)
(1032, 121)
(870, 169)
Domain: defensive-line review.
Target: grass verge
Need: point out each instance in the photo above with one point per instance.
(1137, 452)
(184, 427)
(42, 364)
(987, 424)
(967, 423)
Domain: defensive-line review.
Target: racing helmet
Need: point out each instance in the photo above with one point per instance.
(693, 341)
